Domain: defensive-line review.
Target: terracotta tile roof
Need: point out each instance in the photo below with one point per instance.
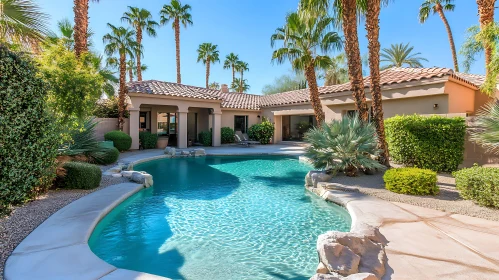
(172, 89)
(240, 100)
(477, 80)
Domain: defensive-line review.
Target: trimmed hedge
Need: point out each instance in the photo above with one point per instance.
(480, 184)
(121, 140)
(80, 175)
(411, 180)
(148, 140)
(29, 136)
(262, 132)
(107, 156)
(227, 135)
(205, 138)
(435, 143)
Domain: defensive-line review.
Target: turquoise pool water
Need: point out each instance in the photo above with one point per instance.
(220, 218)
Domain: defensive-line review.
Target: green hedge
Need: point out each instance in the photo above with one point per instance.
(262, 132)
(480, 184)
(411, 180)
(227, 135)
(148, 140)
(435, 143)
(80, 175)
(107, 156)
(121, 140)
(29, 137)
(205, 138)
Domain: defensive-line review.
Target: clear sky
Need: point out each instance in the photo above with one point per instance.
(245, 26)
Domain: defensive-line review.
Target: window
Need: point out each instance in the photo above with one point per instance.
(351, 113)
(143, 120)
(241, 123)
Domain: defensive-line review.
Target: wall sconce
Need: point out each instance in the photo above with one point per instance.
(435, 106)
(258, 116)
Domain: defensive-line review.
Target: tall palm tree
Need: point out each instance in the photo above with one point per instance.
(140, 19)
(438, 7)
(106, 72)
(303, 39)
(131, 67)
(399, 55)
(22, 23)
(81, 26)
(121, 41)
(240, 85)
(337, 73)
(208, 54)
(66, 34)
(241, 67)
(179, 15)
(231, 61)
(486, 16)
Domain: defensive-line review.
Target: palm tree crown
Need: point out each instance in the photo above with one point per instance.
(22, 22)
(399, 55)
(208, 54)
(230, 62)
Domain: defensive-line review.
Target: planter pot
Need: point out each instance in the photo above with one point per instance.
(162, 142)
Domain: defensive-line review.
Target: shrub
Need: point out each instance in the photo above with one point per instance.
(411, 180)
(83, 142)
(148, 140)
(107, 156)
(121, 140)
(80, 175)
(205, 138)
(262, 132)
(228, 135)
(480, 184)
(435, 143)
(343, 145)
(107, 108)
(29, 137)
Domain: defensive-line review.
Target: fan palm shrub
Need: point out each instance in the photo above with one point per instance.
(344, 145)
(488, 122)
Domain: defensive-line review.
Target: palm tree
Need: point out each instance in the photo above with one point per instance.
(22, 23)
(337, 73)
(241, 67)
(438, 7)
(106, 72)
(399, 55)
(121, 41)
(488, 121)
(140, 19)
(66, 35)
(131, 67)
(303, 39)
(208, 54)
(214, 85)
(81, 26)
(486, 13)
(231, 61)
(240, 85)
(179, 15)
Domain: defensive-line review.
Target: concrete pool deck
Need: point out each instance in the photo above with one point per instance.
(422, 243)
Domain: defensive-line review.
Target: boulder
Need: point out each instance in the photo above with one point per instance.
(127, 174)
(322, 276)
(322, 269)
(199, 152)
(169, 151)
(184, 153)
(142, 178)
(116, 169)
(116, 175)
(361, 276)
(314, 177)
(337, 257)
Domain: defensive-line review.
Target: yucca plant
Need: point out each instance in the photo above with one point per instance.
(344, 145)
(84, 146)
(488, 122)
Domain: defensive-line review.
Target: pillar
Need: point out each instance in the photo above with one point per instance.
(216, 125)
(134, 127)
(182, 129)
(277, 129)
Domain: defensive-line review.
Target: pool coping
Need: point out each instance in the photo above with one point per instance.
(58, 248)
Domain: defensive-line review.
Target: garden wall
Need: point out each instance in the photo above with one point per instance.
(109, 124)
(474, 153)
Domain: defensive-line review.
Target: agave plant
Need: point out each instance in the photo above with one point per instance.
(488, 122)
(84, 146)
(345, 145)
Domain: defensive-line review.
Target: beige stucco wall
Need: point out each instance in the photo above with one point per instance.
(228, 117)
(104, 125)
(461, 98)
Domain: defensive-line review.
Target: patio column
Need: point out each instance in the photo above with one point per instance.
(134, 127)
(182, 129)
(277, 129)
(216, 126)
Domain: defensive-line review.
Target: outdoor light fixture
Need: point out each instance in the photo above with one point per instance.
(435, 106)
(258, 116)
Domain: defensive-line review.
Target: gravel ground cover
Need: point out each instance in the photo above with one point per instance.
(448, 200)
(24, 219)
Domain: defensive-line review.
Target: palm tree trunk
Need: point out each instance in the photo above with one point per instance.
(130, 74)
(81, 26)
(241, 82)
(314, 94)
(122, 93)
(353, 56)
(138, 55)
(177, 46)
(372, 27)
(233, 73)
(207, 72)
(451, 38)
(486, 13)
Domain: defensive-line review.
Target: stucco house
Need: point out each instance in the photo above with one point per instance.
(185, 111)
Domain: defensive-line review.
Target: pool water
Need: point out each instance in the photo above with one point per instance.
(220, 218)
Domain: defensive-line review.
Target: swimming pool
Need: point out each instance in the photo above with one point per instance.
(237, 217)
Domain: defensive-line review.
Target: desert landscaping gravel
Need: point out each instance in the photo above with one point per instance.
(24, 219)
(448, 200)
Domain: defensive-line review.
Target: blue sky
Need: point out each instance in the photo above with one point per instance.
(245, 26)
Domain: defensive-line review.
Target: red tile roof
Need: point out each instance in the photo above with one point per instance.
(396, 75)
